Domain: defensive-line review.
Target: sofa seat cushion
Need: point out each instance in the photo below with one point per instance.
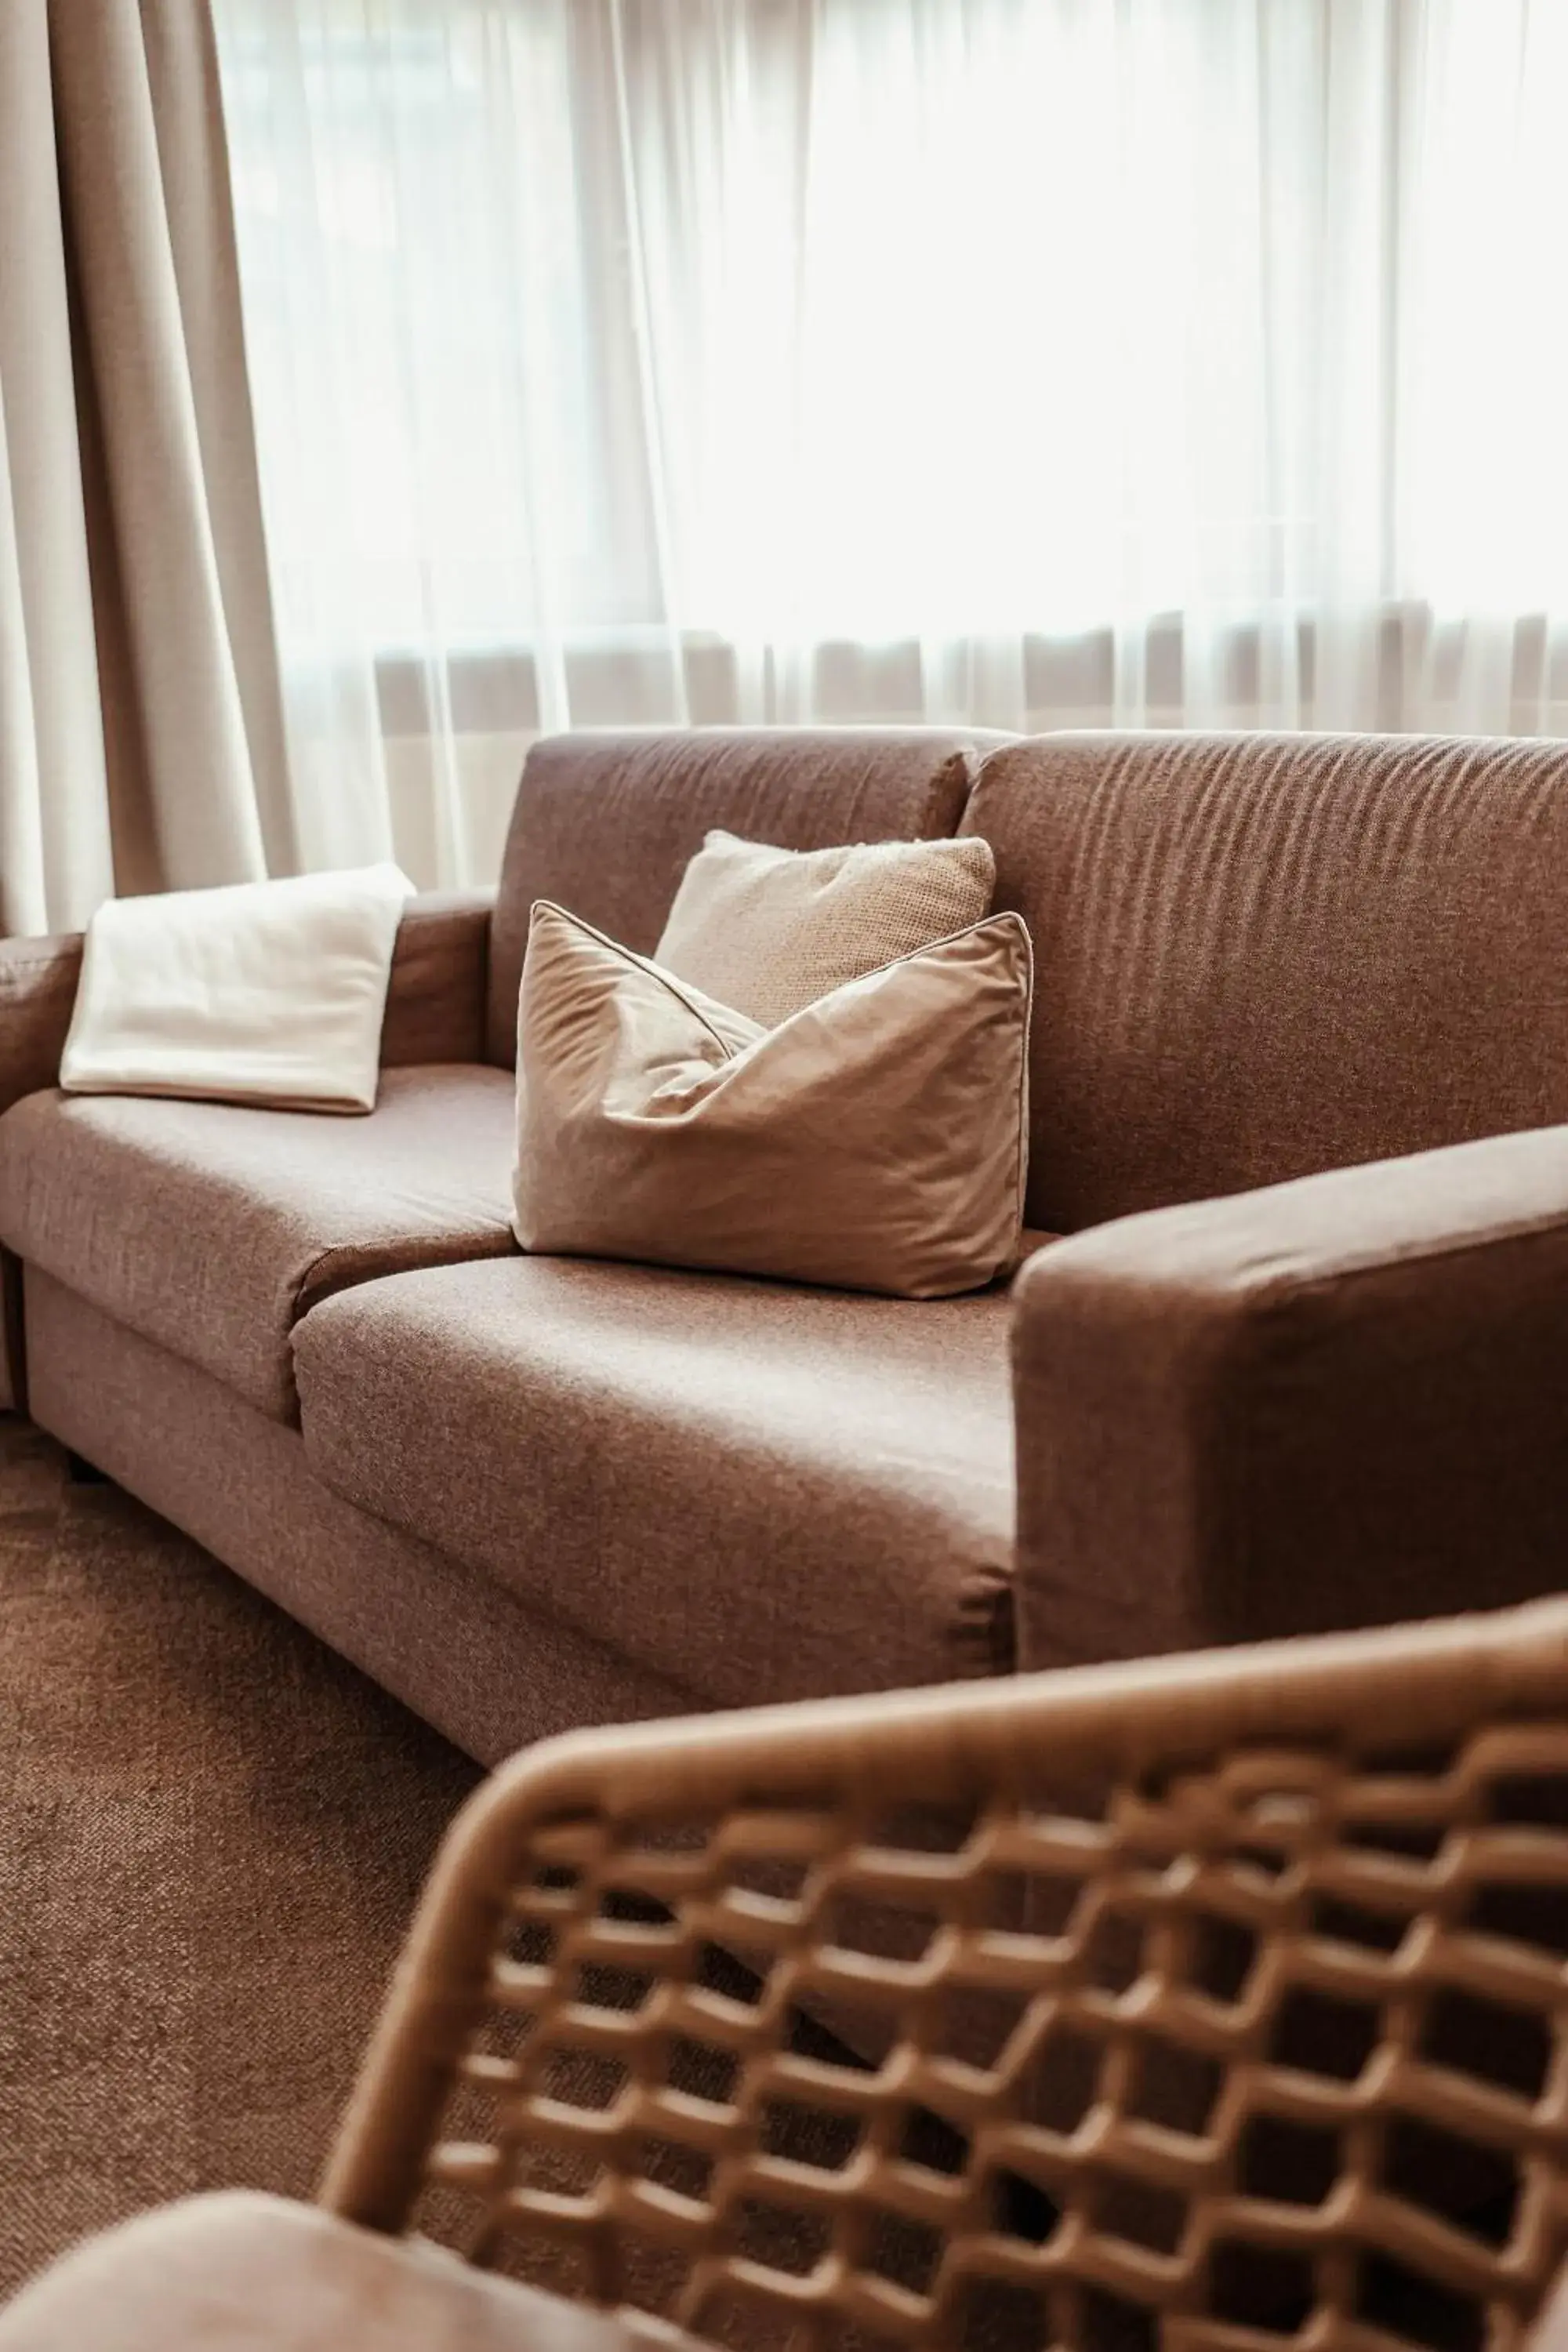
(210, 1227)
(763, 1491)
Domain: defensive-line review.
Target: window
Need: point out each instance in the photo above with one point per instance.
(1023, 361)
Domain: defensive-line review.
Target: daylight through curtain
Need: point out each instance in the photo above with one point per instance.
(1033, 362)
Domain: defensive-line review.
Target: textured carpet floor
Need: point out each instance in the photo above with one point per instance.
(212, 1833)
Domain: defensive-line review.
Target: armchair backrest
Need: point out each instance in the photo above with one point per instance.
(1261, 956)
(1222, 1995)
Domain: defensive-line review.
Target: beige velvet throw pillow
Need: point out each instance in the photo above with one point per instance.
(766, 930)
(876, 1140)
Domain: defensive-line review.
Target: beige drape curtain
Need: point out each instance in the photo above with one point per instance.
(141, 743)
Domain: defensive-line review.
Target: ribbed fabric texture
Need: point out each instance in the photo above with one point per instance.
(209, 1228)
(765, 1491)
(1259, 956)
(769, 931)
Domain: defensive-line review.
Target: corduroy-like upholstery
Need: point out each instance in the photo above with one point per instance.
(1336, 1403)
(209, 1227)
(37, 995)
(603, 824)
(762, 1490)
(1332, 1401)
(1259, 956)
(436, 993)
(490, 1673)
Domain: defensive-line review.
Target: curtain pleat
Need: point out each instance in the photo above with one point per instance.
(55, 856)
(142, 735)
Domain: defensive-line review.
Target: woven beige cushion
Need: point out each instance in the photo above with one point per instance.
(767, 931)
(876, 1140)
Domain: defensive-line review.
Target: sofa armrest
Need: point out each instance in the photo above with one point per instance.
(1333, 1402)
(37, 995)
(436, 997)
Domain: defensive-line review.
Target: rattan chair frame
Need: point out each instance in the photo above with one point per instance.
(1288, 1732)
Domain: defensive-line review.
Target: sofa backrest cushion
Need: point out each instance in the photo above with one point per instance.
(603, 824)
(1259, 956)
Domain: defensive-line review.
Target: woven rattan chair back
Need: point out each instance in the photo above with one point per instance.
(1218, 2001)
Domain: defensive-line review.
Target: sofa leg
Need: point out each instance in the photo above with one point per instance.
(82, 1472)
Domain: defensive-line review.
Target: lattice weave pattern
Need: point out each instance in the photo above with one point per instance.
(1267, 2047)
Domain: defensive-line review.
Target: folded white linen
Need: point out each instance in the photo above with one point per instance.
(260, 992)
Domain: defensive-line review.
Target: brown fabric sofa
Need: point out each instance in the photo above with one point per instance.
(1242, 1396)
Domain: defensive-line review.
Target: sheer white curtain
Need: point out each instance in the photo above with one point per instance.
(1033, 363)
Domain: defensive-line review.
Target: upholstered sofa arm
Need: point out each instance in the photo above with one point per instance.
(434, 999)
(1337, 1402)
(440, 973)
(37, 992)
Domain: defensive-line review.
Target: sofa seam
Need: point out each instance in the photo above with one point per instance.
(348, 1251)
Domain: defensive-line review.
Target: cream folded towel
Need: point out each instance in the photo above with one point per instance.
(262, 992)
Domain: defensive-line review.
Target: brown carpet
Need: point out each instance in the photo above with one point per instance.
(211, 1833)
